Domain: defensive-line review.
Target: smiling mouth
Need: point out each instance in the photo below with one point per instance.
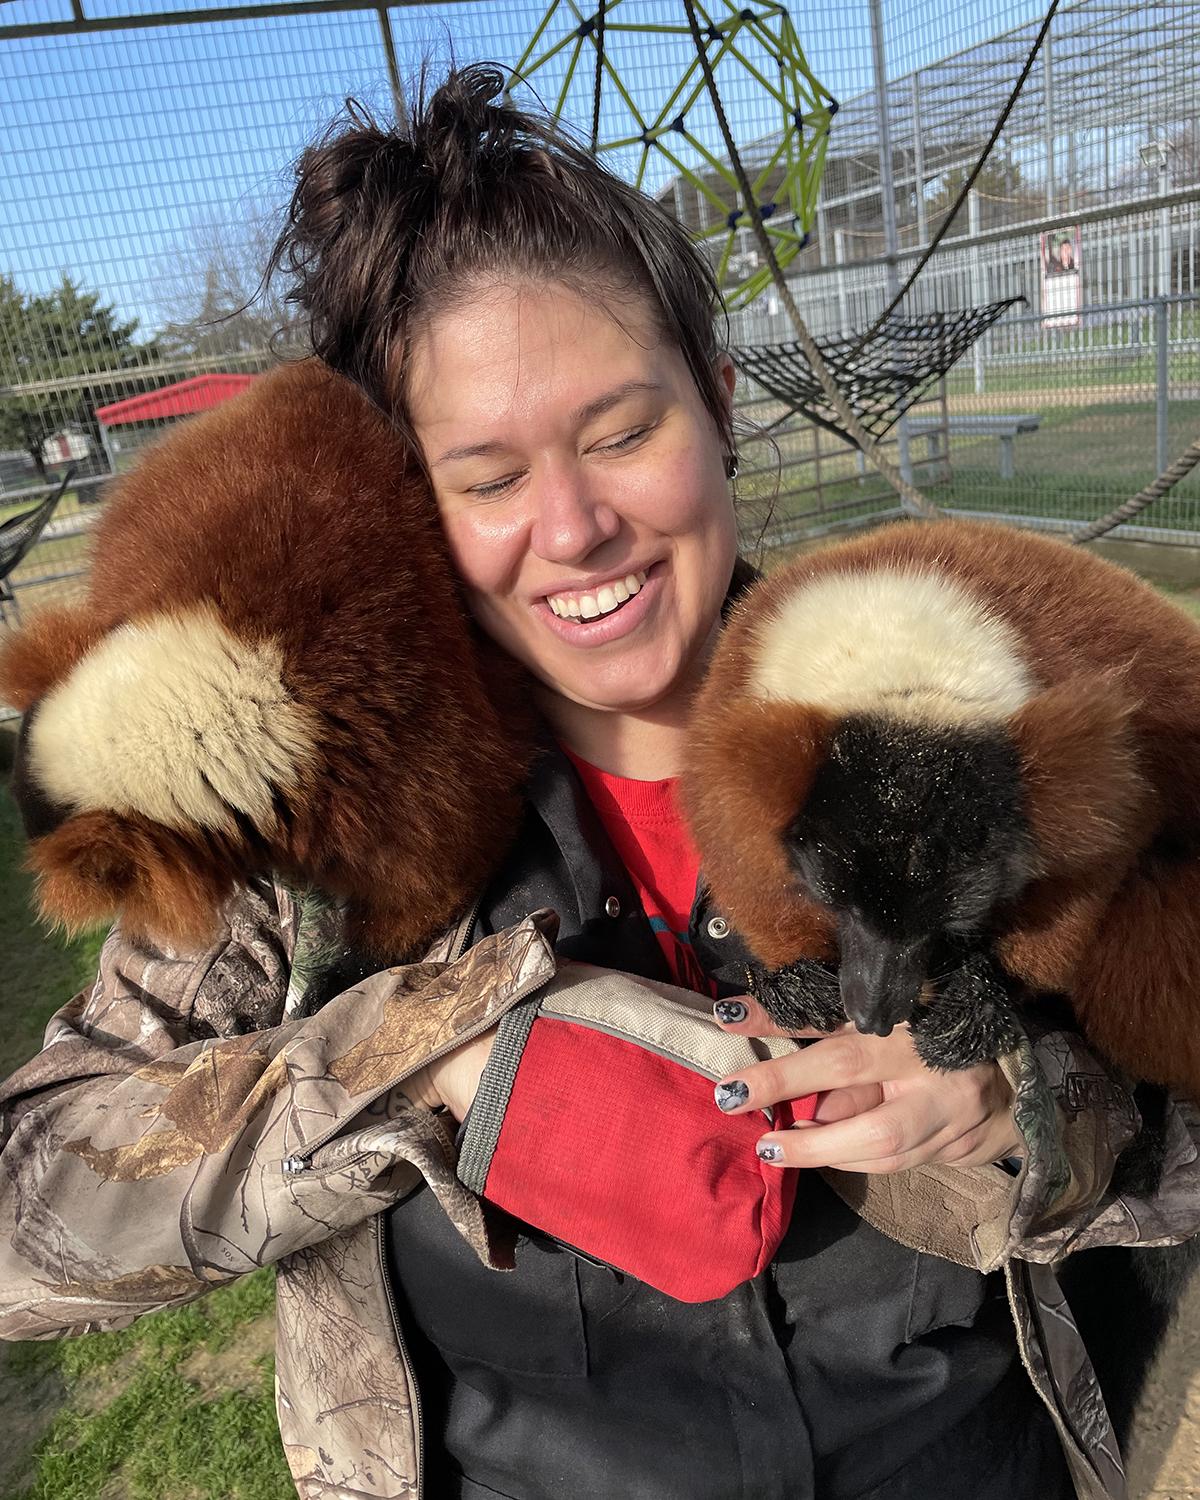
(606, 600)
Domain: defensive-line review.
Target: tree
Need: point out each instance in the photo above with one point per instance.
(65, 333)
(1005, 195)
(219, 308)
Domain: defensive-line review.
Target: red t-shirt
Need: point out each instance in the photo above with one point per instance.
(643, 821)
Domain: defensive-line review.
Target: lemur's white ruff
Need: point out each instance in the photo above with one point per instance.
(901, 642)
(174, 718)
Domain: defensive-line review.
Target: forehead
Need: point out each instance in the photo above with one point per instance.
(527, 353)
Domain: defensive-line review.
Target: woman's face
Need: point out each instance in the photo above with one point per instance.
(581, 483)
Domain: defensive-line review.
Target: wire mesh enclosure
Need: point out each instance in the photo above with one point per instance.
(145, 157)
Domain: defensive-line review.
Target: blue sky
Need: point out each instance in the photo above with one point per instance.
(121, 152)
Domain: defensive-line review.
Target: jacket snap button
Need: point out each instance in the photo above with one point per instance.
(612, 907)
(718, 928)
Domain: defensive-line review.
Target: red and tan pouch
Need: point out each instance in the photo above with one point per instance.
(595, 1122)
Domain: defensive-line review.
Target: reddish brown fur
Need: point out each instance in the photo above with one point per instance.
(764, 756)
(167, 886)
(34, 659)
(298, 512)
(1111, 753)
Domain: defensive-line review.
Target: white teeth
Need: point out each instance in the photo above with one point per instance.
(591, 606)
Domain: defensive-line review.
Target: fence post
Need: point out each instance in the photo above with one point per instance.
(399, 103)
(1161, 325)
(977, 297)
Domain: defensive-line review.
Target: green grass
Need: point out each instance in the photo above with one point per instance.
(41, 973)
(178, 1407)
(1082, 462)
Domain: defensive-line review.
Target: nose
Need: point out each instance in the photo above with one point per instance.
(570, 520)
(880, 980)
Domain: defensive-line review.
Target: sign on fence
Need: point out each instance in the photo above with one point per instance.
(1062, 278)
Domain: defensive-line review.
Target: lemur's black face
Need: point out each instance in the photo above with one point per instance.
(912, 834)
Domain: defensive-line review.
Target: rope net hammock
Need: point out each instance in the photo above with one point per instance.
(881, 375)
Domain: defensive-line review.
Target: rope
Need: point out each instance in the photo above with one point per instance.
(1167, 480)
(913, 499)
(599, 77)
(944, 227)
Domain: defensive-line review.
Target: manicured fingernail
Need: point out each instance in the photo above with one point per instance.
(767, 1151)
(731, 1095)
(730, 1011)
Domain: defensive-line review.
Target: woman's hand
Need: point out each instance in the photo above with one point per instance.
(453, 1080)
(880, 1108)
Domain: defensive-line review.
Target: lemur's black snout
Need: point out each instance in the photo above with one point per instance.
(881, 978)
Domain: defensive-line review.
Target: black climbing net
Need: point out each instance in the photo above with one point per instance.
(881, 375)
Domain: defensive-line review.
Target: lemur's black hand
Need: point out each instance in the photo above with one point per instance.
(970, 1018)
(801, 995)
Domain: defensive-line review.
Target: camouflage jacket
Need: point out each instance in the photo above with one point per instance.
(191, 1119)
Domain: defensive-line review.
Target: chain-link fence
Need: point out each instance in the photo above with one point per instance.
(1050, 426)
(144, 158)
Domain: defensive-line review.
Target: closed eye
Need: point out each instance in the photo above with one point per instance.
(627, 440)
(495, 486)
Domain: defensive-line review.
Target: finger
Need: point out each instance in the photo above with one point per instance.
(844, 1104)
(744, 1016)
(886, 1139)
(847, 1059)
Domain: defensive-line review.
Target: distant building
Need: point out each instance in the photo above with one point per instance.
(126, 425)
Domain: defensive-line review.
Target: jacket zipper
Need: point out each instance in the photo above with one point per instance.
(409, 1372)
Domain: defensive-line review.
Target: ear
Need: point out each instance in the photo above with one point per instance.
(748, 770)
(38, 656)
(97, 866)
(1086, 797)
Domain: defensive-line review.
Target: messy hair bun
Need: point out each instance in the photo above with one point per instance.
(388, 223)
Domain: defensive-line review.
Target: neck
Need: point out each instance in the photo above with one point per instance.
(646, 743)
(647, 746)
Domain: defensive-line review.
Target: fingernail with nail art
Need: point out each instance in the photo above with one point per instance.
(731, 1095)
(730, 1011)
(767, 1151)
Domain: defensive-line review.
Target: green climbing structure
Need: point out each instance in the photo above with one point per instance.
(585, 67)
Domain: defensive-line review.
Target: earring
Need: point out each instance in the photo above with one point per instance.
(731, 466)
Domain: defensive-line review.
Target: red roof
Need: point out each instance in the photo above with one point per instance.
(178, 400)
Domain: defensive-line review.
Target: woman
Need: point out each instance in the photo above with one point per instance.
(545, 337)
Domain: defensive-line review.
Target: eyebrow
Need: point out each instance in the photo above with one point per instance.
(586, 413)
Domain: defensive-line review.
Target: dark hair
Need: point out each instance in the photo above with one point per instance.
(386, 224)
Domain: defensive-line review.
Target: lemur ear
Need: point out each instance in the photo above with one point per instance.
(95, 865)
(1086, 797)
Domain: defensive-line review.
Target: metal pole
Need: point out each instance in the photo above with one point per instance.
(1164, 240)
(1160, 383)
(887, 194)
(977, 290)
(839, 252)
(389, 52)
(919, 162)
(1048, 120)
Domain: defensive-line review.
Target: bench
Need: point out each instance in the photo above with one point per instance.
(1006, 428)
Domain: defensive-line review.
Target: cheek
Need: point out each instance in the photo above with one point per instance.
(485, 549)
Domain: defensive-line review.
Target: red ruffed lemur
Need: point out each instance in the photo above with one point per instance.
(955, 760)
(271, 670)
